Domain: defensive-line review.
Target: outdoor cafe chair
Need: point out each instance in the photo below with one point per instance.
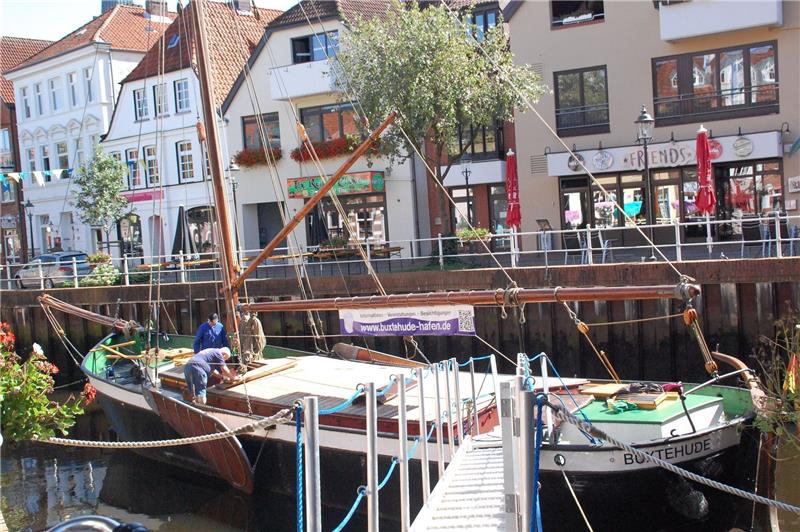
(784, 232)
(602, 246)
(573, 246)
(754, 234)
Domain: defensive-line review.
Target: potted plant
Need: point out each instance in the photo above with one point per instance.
(98, 258)
(475, 234)
(336, 242)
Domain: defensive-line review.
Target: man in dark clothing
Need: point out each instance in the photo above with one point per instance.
(201, 366)
(210, 334)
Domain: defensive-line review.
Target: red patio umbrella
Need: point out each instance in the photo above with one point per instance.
(513, 214)
(706, 199)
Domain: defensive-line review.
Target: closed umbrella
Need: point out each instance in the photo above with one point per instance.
(513, 214)
(706, 199)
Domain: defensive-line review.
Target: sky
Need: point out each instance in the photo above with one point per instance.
(53, 19)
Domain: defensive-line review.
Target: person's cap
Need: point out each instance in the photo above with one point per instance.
(213, 316)
(226, 351)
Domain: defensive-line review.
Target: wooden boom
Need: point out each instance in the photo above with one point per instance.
(117, 323)
(499, 297)
(311, 203)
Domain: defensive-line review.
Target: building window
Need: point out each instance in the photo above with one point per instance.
(44, 157)
(139, 104)
(185, 162)
(78, 153)
(151, 164)
(72, 82)
(87, 83)
(329, 122)
(252, 134)
(6, 152)
(484, 20)
(31, 156)
(37, 95)
(463, 207)
(718, 84)
(62, 155)
(315, 47)
(566, 13)
(117, 156)
(160, 99)
(582, 101)
(26, 103)
(487, 142)
(7, 192)
(134, 170)
(182, 96)
(365, 222)
(55, 93)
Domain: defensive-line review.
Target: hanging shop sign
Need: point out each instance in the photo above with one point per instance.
(354, 183)
(668, 154)
(575, 162)
(147, 195)
(441, 320)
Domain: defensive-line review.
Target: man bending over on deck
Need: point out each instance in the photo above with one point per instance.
(210, 334)
(201, 366)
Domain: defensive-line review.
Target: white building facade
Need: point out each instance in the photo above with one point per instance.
(290, 80)
(66, 97)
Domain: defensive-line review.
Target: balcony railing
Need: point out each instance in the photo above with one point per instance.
(586, 119)
(762, 99)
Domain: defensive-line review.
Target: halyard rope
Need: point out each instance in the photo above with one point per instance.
(280, 417)
(566, 416)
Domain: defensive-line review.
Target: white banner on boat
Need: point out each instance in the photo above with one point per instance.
(441, 320)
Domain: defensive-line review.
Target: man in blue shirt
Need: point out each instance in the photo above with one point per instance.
(201, 366)
(210, 334)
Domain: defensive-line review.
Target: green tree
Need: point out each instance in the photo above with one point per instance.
(100, 202)
(422, 63)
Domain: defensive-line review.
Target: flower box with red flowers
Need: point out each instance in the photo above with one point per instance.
(251, 157)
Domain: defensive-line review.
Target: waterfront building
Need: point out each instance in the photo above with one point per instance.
(290, 80)
(14, 245)
(65, 95)
(153, 130)
(731, 66)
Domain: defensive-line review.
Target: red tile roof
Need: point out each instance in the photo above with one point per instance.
(13, 51)
(231, 38)
(124, 28)
(324, 9)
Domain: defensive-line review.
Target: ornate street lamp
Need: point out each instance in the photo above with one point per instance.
(466, 171)
(29, 211)
(645, 123)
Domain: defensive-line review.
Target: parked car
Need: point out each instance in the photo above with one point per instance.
(56, 268)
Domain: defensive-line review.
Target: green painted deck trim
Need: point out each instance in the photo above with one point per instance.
(598, 413)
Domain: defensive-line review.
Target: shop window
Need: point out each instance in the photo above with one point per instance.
(714, 84)
(200, 221)
(575, 203)
(463, 208)
(252, 134)
(365, 220)
(498, 210)
(565, 13)
(582, 101)
(129, 232)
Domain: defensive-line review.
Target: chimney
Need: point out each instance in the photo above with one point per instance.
(244, 6)
(156, 8)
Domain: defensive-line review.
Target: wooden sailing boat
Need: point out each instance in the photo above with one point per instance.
(139, 380)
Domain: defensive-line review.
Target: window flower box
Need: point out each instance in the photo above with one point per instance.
(253, 157)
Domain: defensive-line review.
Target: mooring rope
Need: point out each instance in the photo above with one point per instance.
(282, 416)
(566, 416)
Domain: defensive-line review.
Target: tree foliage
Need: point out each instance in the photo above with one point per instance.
(423, 63)
(99, 198)
(26, 411)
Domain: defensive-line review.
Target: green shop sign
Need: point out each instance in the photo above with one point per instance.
(355, 183)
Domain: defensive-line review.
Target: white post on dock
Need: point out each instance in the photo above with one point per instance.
(457, 391)
(527, 429)
(546, 391)
(678, 248)
(589, 250)
(313, 499)
(450, 442)
(373, 515)
(405, 503)
(441, 252)
(41, 276)
(509, 468)
(74, 273)
(439, 438)
(476, 428)
(423, 434)
(8, 276)
(182, 265)
(496, 382)
(778, 243)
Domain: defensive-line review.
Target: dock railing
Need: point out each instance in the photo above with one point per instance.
(447, 406)
(698, 239)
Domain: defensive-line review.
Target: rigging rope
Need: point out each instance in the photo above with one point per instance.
(577, 502)
(272, 421)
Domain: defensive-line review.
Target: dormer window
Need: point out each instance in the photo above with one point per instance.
(315, 47)
(567, 13)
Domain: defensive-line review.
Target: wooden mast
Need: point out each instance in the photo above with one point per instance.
(230, 295)
(311, 203)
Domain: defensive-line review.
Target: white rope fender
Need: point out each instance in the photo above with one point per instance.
(281, 416)
(566, 416)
